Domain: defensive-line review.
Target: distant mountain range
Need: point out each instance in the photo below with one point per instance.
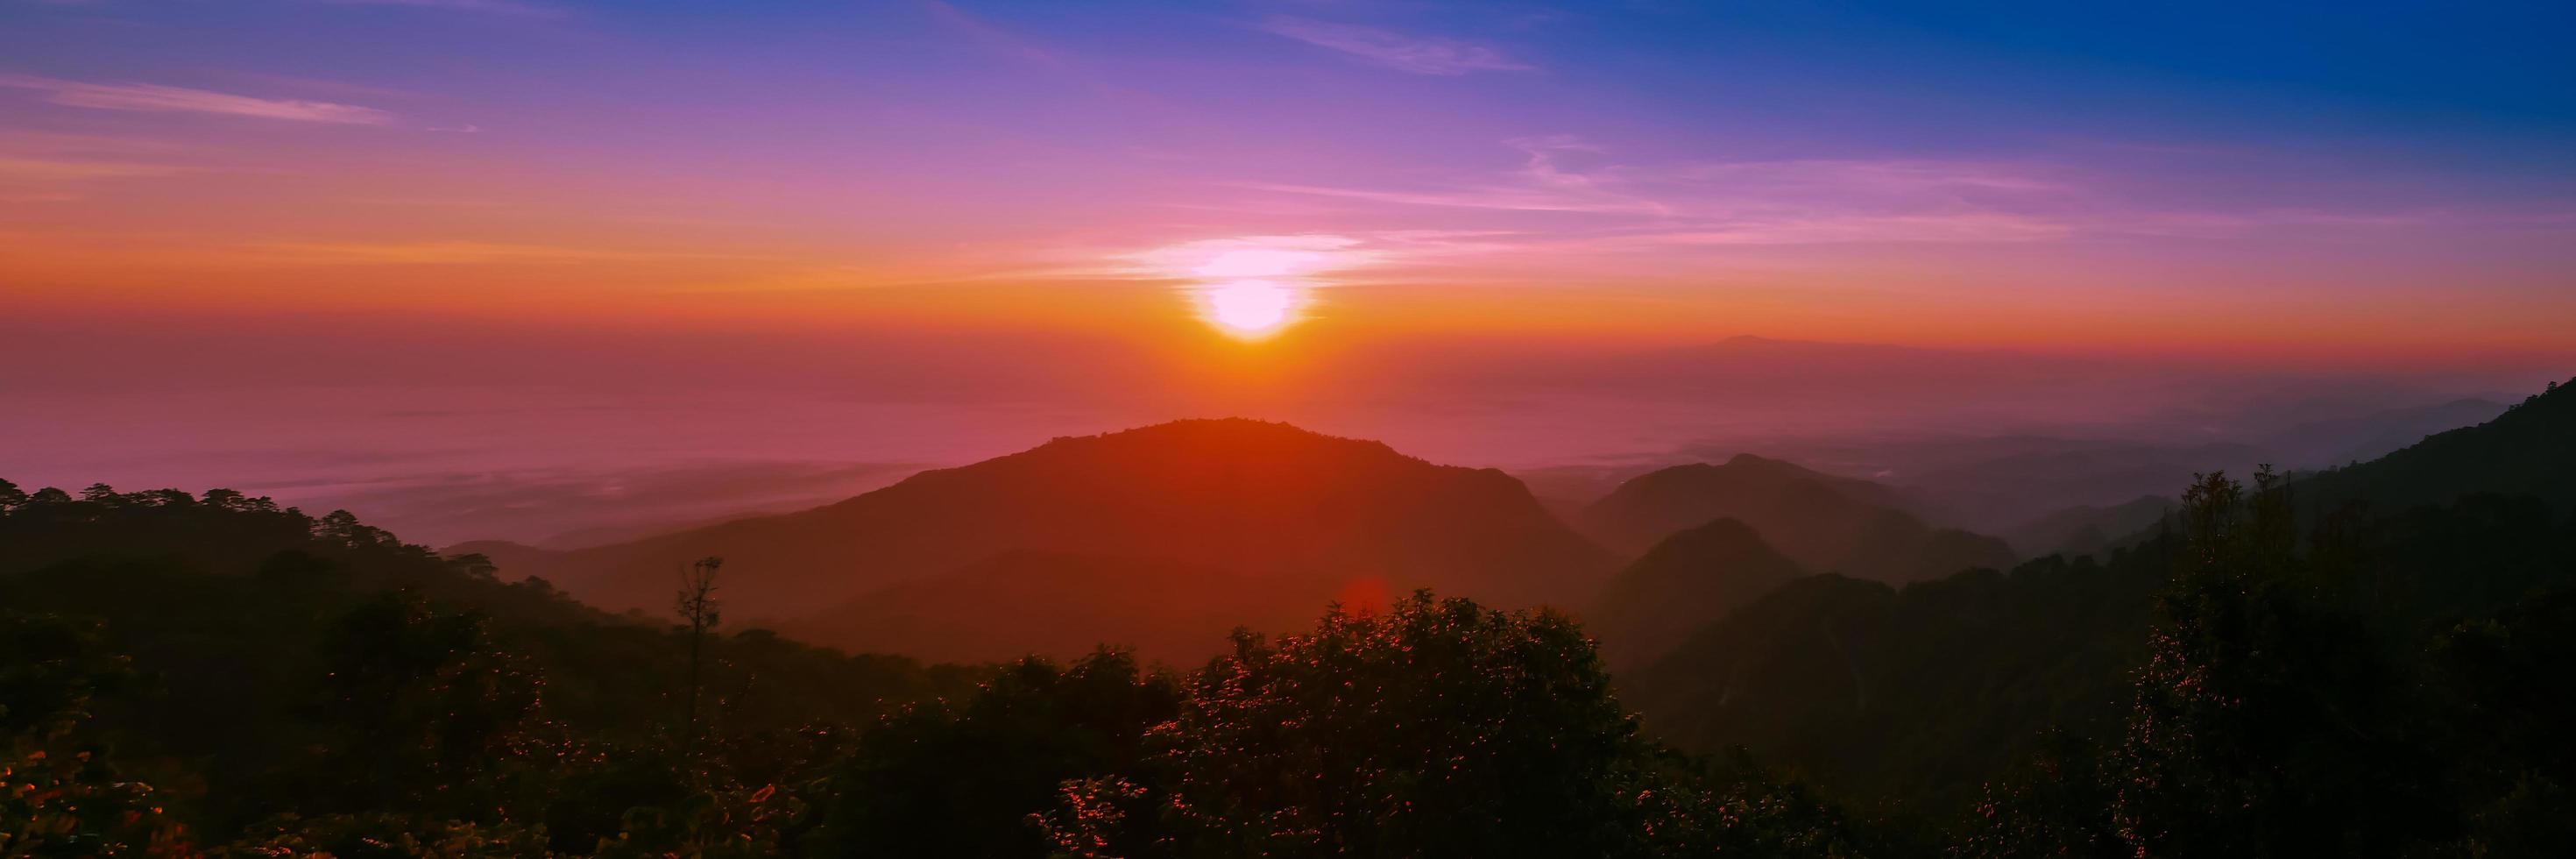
(1882, 691)
(1212, 510)
(2089, 530)
(1164, 537)
(2529, 449)
(2344, 441)
(1824, 522)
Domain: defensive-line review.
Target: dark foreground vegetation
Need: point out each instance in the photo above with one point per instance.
(188, 675)
(191, 675)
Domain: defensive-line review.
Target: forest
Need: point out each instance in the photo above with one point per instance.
(2368, 661)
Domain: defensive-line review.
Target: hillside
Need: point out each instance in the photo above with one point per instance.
(2528, 450)
(1883, 692)
(2339, 441)
(265, 661)
(1064, 605)
(1689, 580)
(2088, 529)
(1928, 690)
(1242, 498)
(1826, 523)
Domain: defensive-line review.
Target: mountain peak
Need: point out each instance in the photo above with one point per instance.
(1235, 436)
(1749, 460)
(1823, 521)
(1722, 533)
(1251, 500)
(1691, 579)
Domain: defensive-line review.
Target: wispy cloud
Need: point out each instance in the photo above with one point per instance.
(1312, 259)
(1748, 202)
(1567, 197)
(1543, 183)
(1419, 55)
(1850, 228)
(170, 99)
(1287, 256)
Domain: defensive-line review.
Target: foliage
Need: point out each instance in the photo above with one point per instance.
(59, 793)
(2267, 722)
(1910, 697)
(2292, 704)
(1437, 729)
(283, 685)
(962, 779)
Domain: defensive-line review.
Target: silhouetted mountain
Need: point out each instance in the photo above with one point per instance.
(1879, 691)
(2528, 450)
(1826, 523)
(1245, 498)
(2340, 441)
(1645, 509)
(1938, 686)
(2089, 530)
(1691, 579)
(1063, 605)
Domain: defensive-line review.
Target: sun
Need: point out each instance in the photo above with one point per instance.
(1252, 287)
(1251, 309)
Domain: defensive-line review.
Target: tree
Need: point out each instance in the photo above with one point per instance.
(1438, 729)
(475, 564)
(60, 792)
(418, 710)
(2266, 722)
(697, 605)
(963, 779)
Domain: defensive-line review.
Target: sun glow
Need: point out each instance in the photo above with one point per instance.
(1251, 287)
(1251, 309)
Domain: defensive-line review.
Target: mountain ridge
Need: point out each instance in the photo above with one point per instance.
(1251, 498)
(1827, 523)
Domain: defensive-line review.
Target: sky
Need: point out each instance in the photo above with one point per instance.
(902, 231)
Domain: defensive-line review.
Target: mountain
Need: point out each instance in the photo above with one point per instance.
(1243, 500)
(1877, 691)
(1824, 522)
(2087, 529)
(2530, 449)
(1646, 508)
(1689, 580)
(2337, 441)
(1938, 686)
(1999, 483)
